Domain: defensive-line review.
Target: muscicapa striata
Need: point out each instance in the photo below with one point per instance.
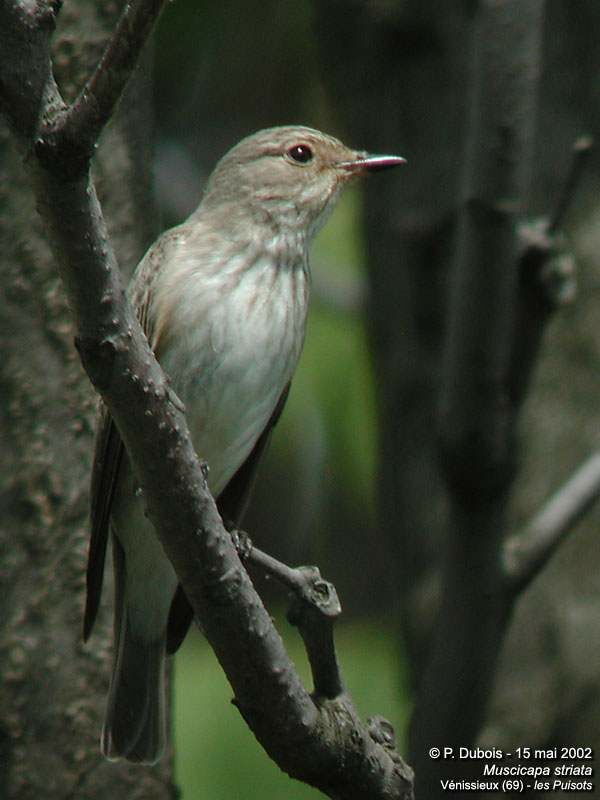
(222, 299)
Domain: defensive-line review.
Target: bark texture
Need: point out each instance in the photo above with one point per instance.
(54, 688)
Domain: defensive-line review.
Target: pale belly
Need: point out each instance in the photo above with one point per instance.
(229, 366)
(234, 367)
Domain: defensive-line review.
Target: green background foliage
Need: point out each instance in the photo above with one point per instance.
(216, 754)
(314, 502)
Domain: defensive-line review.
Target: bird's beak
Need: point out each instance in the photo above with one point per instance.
(364, 162)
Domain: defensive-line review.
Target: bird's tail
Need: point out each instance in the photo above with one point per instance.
(134, 727)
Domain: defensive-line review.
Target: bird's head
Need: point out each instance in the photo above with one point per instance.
(290, 175)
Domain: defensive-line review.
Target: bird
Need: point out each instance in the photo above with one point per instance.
(222, 299)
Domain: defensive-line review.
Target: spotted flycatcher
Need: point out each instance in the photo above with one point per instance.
(222, 299)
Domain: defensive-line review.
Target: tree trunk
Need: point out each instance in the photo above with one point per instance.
(54, 687)
(406, 64)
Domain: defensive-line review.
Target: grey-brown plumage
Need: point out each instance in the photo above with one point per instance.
(222, 300)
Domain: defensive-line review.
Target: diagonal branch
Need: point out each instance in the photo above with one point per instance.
(527, 553)
(582, 149)
(68, 138)
(546, 271)
(316, 739)
(96, 103)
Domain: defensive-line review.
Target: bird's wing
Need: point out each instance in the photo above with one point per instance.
(108, 454)
(232, 504)
(109, 450)
(233, 500)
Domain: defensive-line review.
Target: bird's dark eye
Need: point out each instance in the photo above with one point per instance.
(300, 153)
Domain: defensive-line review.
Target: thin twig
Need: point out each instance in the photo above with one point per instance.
(313, 611)
(527, 553)
(314, 608)
(580, 155)
(78, 128)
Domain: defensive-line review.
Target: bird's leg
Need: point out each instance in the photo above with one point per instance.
(306, 582)
(313, 609)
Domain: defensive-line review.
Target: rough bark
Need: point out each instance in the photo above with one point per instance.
(54, 688)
